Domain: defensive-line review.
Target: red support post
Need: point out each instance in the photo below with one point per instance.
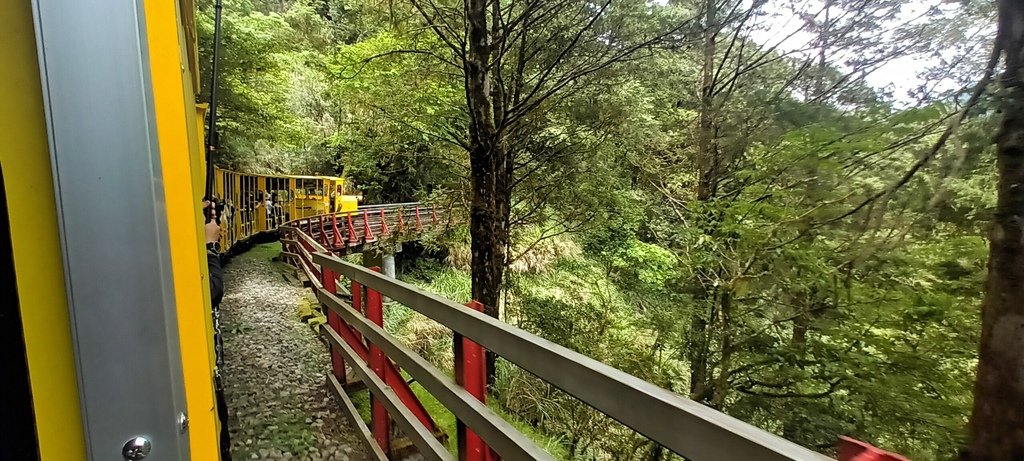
(401, 222)
(352, 240)
(337, 232)
(367, 233)
(357, 302)
(471, 374)
(379, 418)
(433, 215)
(419, 224)
(383, 224)
(334, 322)
(854, 450)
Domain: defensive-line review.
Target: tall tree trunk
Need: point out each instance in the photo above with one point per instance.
(823, 43)
(657, 452)
(699, 341)
(697, 356)
(707, 157)
(722, 387)
(488, 226)
(997, 422)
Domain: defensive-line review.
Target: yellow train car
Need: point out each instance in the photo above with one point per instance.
(254, 204)
(105, 297)
(105, 312)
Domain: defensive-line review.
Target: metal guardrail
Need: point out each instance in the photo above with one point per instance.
(368, 225)
(681, 425)
(498, 433)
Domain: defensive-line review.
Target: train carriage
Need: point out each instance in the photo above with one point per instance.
(105, 308)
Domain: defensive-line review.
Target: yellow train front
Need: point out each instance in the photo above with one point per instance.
(104, 299)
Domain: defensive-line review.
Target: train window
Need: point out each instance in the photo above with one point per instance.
(17, 419)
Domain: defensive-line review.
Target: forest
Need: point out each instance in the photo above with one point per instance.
(778, 208)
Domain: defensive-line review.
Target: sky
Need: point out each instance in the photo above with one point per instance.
(900, 75)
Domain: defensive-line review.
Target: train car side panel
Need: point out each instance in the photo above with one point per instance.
(177, 136)
(36, 243)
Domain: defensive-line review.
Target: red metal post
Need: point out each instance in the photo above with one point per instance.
(334, 322)
(392, 377)
(352, 240)
(383, 224)
(337, 232)
(379, 418)
(855, 450)
(401, 222)
(433, 215)
(367, 233)
(419, 225)
(471, 374)
(357, 302)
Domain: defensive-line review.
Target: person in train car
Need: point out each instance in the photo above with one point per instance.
(213, 231)
(269, 204)
(229, 212)
(273, 209)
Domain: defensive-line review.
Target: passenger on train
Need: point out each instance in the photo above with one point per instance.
(213, 233)
(213, 230)
(269, 203)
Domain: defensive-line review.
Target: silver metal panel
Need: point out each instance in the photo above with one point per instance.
(106, 167)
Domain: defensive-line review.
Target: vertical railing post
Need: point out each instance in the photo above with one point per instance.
(337, 232)
(383, 224)
(379, 418)
(323, 232)
(334, 322)
(419, 224)
(433, 215)
(352, 240)
(367, 233)
(357, 303)
(471, 374)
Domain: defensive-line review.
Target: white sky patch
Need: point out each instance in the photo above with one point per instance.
(899, 75)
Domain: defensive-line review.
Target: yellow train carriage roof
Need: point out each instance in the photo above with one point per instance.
(283, 176)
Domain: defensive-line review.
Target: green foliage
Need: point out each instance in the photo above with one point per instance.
(822, 299)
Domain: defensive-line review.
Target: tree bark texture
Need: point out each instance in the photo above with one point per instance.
(491, 198)
(486, 162)
(997, 420)
(707, 157)
(699, 339)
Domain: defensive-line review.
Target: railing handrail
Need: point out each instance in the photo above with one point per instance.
(680, 424)
(390, 205)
